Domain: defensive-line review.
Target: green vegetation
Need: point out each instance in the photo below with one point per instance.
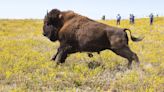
(25, 64)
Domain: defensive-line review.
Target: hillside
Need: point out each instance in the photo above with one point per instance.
(25, 64)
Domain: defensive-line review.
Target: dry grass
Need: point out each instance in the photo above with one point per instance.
(25, 64)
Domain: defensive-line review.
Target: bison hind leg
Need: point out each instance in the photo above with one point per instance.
(128, 54)
(90, 55)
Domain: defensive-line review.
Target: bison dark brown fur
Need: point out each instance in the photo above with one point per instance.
(77, 33)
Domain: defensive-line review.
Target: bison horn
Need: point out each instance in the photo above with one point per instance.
(47, 12)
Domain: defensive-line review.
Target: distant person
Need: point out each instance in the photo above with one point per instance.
(133, 19)
(157, 15)
(151, 16)
(103, 17)
(118, 19)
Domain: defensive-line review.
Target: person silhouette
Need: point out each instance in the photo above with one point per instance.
(151, 16)
(103, 17)
(118, 19)
(130, 18)
(133, 19)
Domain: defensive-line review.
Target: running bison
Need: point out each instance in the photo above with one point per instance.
(77, 33)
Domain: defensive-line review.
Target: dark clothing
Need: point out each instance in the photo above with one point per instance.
(118, 22)
(103, 17)
(132, 19)
(151, 19)
(118, 19)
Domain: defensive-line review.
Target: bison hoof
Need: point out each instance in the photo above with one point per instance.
(90, 55)
(129, 67)
(53, 59)
(57, 62)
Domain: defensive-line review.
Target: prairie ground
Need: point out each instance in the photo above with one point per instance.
(25, 64)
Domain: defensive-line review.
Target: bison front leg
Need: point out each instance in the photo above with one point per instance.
(55, 55)
(63, 53)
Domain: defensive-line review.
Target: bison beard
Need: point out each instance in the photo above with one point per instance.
(77, 33)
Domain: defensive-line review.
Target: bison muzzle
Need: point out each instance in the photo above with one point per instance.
(77, 33)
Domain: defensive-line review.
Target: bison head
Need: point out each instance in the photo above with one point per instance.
(53, 22)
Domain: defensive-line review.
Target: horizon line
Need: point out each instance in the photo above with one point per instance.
(86, 16)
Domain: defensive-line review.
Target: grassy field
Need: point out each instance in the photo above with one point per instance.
(25, 64)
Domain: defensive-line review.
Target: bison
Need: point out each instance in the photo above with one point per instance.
(77, 33)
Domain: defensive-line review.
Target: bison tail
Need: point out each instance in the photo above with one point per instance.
(135, 39)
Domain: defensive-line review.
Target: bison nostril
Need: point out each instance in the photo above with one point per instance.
(44, 34)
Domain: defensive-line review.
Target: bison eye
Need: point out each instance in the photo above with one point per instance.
(47, 23)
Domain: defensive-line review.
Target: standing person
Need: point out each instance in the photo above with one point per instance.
(118, 19)
(157, 15)
(151, 16)
(130, 18)
(133, 19)
(103, 17)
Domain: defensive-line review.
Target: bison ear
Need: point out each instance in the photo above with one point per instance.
(60, 16)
